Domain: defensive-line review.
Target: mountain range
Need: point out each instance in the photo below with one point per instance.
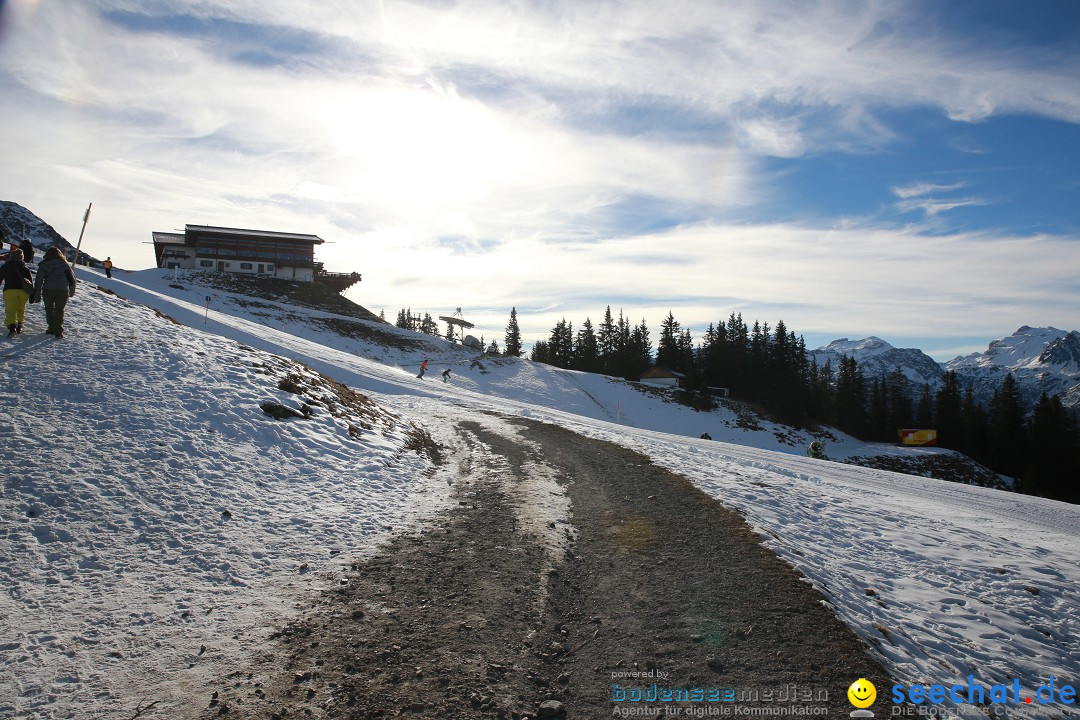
(1041, 359)
(18, 223)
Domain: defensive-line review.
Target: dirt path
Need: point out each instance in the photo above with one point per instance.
(572, 578)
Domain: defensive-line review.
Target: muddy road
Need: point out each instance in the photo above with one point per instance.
(571, 579)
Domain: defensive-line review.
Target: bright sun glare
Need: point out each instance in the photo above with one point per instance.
(421, 149)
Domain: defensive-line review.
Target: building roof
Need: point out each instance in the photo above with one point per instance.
(662, 372)
(214, 230)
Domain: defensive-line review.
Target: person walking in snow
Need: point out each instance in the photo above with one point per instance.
(55, 284)
(108, 267)
(423, 369)
(18, 284)
(446, 375)
(27, 248)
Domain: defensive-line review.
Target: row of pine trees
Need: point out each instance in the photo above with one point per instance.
(770, 366)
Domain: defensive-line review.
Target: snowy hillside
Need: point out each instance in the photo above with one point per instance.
(159, 524)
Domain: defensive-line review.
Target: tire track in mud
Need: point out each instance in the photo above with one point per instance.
(530, 597)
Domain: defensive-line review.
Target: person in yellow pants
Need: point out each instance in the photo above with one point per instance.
(18, 282)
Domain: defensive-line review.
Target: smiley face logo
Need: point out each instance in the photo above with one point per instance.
(862, 693)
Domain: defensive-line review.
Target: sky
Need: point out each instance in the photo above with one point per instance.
(905, 170)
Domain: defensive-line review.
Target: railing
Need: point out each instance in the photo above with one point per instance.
(337, 275)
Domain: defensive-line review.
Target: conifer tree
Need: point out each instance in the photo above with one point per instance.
(975, 428)
(642, 348)
(850, 396)
(826, 391)
(899, 401)
(878, 412)
(428, 326)
(1008, 436)
(1055, 455)
(540, 352)
(685, 357)
(586, 350)
(667, 348)
(925, 414)
(561, 344)
(605, 341)
(739, 343)
(620, 363)
(512, 341)
(947, 415)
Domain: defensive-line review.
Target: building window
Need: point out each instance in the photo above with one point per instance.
(245, 266)
(270, 268)
(206, 263)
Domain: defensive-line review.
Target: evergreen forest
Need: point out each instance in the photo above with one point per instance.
(771, 368)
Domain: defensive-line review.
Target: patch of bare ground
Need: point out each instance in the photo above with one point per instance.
(954, 467)
(301, 294)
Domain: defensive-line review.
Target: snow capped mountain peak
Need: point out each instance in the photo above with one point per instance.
(876, 357)
(1023, 348)
(17, 223)
(1064, 351)
(1041, 359)
(866, 346)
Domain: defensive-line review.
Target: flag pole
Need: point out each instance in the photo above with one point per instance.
(85, 219)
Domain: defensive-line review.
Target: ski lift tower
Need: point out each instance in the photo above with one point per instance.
(457, 320)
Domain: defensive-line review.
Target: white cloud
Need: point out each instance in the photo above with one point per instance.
(920, 189)
(468, 120)
(851, 280)
(923, 197)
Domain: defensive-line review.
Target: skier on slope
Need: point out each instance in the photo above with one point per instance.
(423, 369)
(446, 374)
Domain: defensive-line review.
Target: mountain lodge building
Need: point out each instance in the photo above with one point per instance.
(263, 253)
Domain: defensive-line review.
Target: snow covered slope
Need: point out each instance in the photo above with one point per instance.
(154, 519)
(157, 523)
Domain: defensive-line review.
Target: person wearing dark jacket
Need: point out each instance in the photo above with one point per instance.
(27, 248)
(18, 282)
(55, 284)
